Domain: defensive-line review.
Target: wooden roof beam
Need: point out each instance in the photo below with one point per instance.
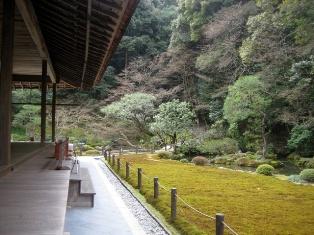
(28, 14)
(89, 15)
(26, 78)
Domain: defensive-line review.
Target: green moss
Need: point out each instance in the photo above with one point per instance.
(245, 199)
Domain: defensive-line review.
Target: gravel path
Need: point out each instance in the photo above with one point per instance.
(148, 223)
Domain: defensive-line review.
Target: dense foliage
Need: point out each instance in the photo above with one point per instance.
(245, 69)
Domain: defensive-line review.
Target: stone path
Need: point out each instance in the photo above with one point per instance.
(116, 211)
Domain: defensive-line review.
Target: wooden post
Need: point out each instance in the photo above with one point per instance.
(127, 170)
(156, 188)
(109, 159)
(119, 164)
(120, 151)
(8, 10)
(219, 224)
(43, 102)
(53, 112)
(173, 204)
(113, 160)
(139, 179)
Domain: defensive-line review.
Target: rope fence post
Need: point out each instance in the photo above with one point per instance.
(118, 164)
(173, 204)
(113, 160)
(139, 179)
(219, 224)
(127, 170)
(156, 188)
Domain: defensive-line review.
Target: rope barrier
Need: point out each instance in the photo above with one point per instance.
(196, 210)
(184, 202)
(231, 230)
(163, 187)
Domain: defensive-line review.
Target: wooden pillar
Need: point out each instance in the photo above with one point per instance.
(43, 102)
(8, 10)
(53, 113)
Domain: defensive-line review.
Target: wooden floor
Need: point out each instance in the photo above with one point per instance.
(33, 197)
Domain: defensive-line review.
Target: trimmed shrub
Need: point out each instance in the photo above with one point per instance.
(265, 169)
(177, 157)
(216, 147)
(307, 175)
(184, 160)
(92, 152)
(200, 161)
(164, 155)
(295, 178)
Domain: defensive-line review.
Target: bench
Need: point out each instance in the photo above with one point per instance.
(81, 190)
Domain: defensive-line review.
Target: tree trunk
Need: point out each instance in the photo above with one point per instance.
(264, 136)
(174, 142)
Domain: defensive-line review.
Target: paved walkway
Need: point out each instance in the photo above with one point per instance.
(110, 215)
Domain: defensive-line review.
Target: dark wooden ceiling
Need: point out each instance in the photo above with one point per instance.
(81, 37)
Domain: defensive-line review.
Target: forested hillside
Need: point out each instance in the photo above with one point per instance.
(244, 69)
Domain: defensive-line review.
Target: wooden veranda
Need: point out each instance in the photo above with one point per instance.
(54, 45)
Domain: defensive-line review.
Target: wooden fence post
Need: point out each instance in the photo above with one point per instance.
(113, 160)
(119, 164)
(127, 170)
(219, 224)
(109, 159)
(139, 179)
(156, 188)
(173, 204)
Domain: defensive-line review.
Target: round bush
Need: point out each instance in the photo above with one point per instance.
(164, 155)
(184, 160)
(265, 169)
(307, 175)
(200, 161)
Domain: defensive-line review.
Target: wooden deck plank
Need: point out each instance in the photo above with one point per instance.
(33, 198)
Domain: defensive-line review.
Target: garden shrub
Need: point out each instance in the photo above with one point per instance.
(307, 175)
(164, 155)
(276, 164)
(295, 178)
(87, 147)
(200, 161)
(294, 156)
(265, 169)
(189, 149)
(214, 147)
(177, 156)
(184, 160)
(92, 152)
(310, 164)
